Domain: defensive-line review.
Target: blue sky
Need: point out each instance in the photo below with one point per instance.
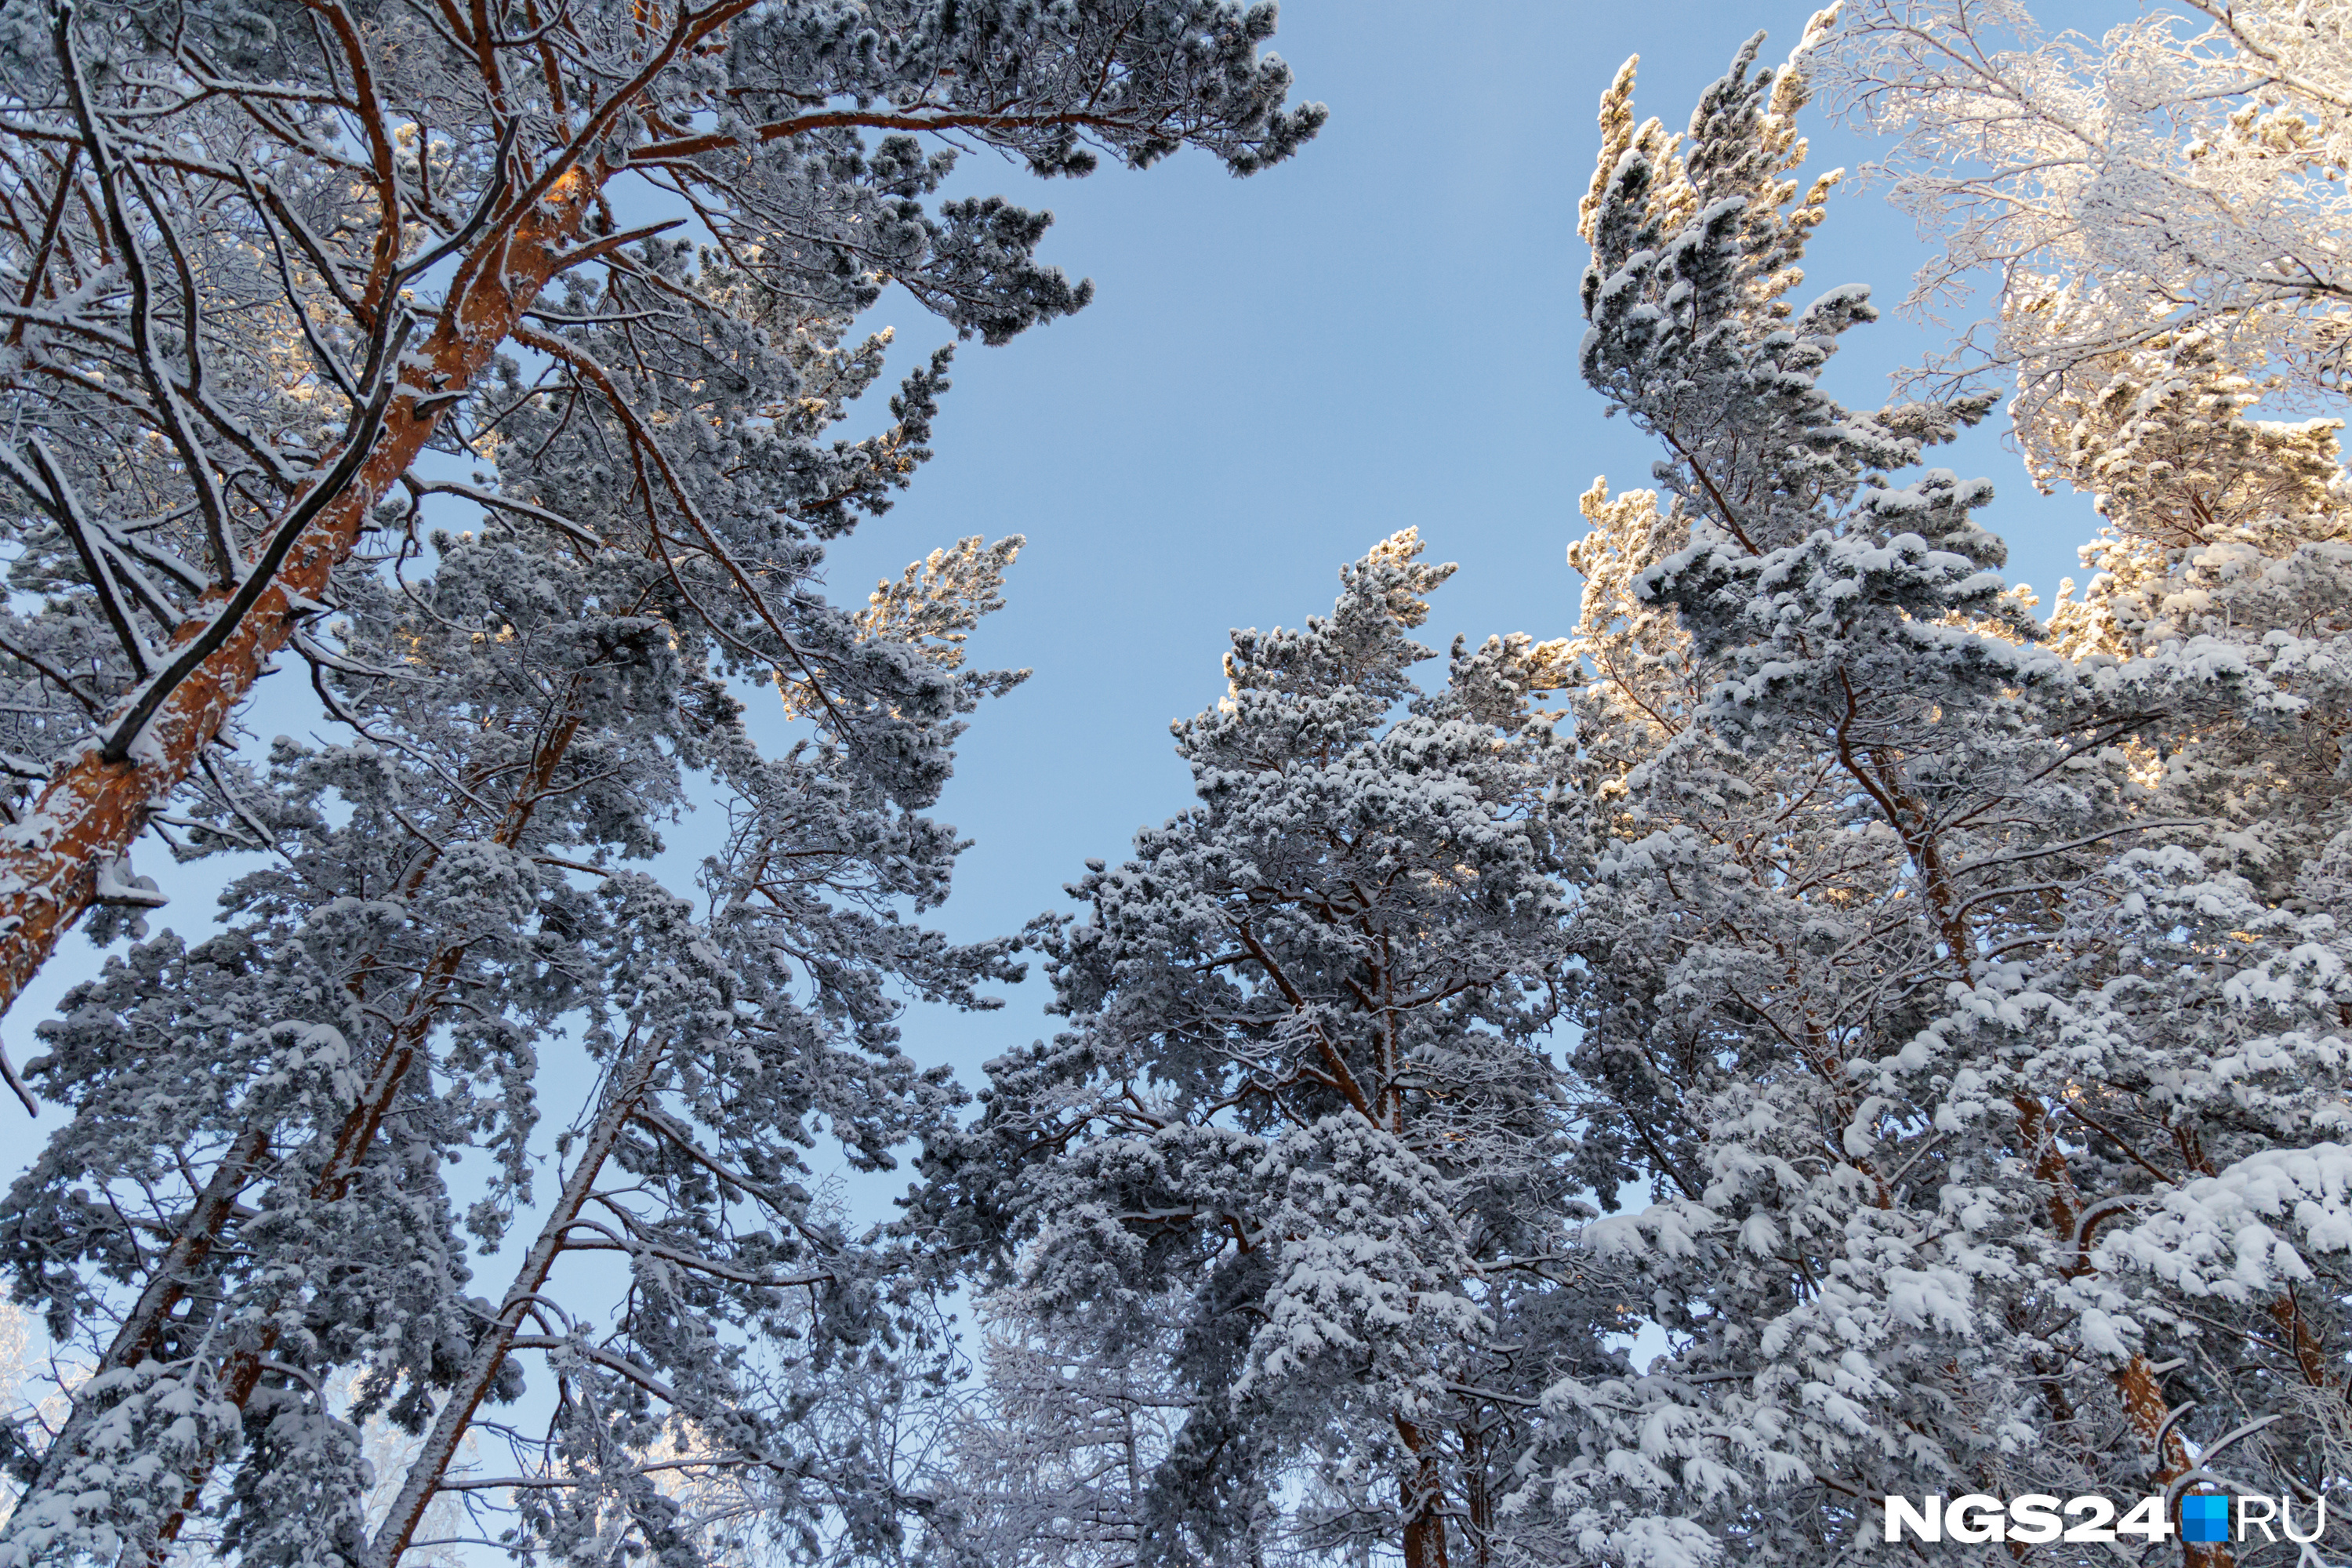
(1275, 373)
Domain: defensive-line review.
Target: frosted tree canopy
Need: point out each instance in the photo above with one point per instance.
(1810, 1029)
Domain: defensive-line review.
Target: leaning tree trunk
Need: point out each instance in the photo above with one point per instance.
(242, 1166)
(95, 805)
(634, 1073)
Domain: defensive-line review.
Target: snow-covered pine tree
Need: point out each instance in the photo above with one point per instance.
(1301, 1132)
(245, 216)
(1982, 1122)
(262, 260)
(2235, 531)
(2172, 205)
(248, 1205)
(2229, 546)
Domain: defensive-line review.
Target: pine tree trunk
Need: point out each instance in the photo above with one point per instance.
(632, 1077)
(93, 809)
(1479, 1496)
(1423, 1492)
(2135, 1382)
(365, 1119)
(166, 1287)
(243, 1162)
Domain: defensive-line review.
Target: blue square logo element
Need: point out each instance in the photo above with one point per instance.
(2204, 1516)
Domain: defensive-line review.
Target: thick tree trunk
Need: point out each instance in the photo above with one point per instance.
(92, 809)
(1423, 1492)
(2144, 1406)
(245, 1162)
(2135, 1383)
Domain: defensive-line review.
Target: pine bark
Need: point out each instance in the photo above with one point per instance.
(244, 1162)
(92, 808)
(633, 1076)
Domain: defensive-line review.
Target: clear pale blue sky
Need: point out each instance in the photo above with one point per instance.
(1275, 373)
(1278, 371)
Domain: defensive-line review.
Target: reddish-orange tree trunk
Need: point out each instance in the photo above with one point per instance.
(1423, 1492)
(92, 809)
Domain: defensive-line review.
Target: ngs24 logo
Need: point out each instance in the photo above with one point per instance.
(2034, 1518)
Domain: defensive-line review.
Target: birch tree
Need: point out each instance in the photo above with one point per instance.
(1055, 1455)
(2185, 173)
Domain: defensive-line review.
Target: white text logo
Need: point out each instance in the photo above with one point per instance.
(2036, 1517)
